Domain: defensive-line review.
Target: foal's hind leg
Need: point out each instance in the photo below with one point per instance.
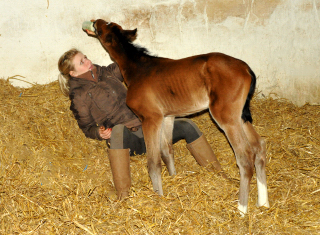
(259, 148)
(166, 144)
(233, 128)
(245, 162)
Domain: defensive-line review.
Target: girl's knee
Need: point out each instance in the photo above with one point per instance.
(116, 139)
(187, 128)
(117, 129)
(189, 125)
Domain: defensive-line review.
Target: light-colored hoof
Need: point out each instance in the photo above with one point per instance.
(243, 210)
(263, 204)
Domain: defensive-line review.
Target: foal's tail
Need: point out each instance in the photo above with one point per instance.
(246, 114)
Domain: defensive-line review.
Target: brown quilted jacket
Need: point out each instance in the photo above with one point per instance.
(98, 98)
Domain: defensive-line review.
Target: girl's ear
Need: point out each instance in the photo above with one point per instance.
(131, 35)
(72, 73)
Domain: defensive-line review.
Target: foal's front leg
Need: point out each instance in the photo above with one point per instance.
(166, 144)
(152, 130)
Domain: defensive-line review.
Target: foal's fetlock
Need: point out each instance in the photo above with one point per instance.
(265, 204)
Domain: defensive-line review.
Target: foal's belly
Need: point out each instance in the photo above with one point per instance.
(181, 109)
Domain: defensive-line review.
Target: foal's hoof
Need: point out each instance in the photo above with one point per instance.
(223, 175)
(266, 205)
(122, 195)
(243, 210)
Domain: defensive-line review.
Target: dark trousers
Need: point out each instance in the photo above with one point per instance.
(123, 138)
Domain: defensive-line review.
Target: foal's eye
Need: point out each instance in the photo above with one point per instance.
(99, 32)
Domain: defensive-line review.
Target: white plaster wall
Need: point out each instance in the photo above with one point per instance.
(279, 39)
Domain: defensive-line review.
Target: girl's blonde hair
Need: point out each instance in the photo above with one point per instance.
(65, 65)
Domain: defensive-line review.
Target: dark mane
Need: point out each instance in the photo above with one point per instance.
(132, 51)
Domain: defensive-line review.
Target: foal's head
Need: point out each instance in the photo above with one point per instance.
(109, 33)
(113, 35)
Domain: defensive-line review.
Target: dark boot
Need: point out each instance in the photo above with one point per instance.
(120, 167)
(204, 155)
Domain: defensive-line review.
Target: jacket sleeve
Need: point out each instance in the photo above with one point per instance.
(84, 118)
(114, 71)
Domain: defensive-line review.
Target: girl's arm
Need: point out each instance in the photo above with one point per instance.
(84, 118)
(114, 70)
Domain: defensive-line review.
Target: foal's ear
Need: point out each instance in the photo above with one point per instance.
(131, 35)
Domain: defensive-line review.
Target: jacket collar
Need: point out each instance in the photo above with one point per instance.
(85, 78)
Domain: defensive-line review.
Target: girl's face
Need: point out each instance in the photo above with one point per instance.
(81, 65)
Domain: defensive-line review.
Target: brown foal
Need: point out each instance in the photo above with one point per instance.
(159, 89)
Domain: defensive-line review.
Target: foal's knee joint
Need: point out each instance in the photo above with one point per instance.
(246, 167)
(261, 157)
(263, 145)
(260, 162)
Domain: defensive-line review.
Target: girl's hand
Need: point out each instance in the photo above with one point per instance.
(105, 133)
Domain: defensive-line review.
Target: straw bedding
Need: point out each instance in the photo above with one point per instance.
(54, 180)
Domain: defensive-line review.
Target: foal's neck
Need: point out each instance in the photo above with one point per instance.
(132, 64)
